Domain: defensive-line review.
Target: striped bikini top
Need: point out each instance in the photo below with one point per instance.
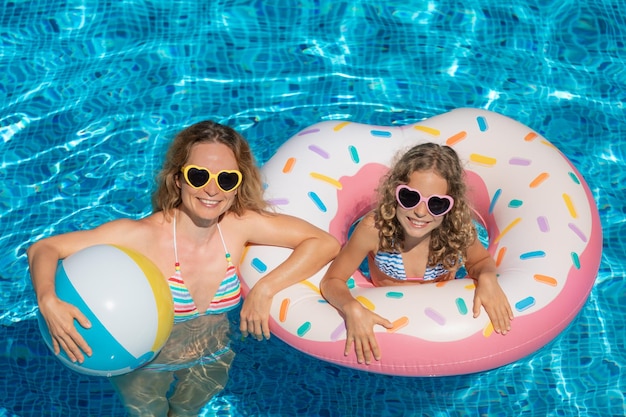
(390, 263)
(226, 298)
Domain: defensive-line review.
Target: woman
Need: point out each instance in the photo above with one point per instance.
(207, 208)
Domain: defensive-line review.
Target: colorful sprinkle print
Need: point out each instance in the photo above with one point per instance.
(398, 324)
(454, 139)
(317, 201)
(321, 152)
(461, 306)
(258, 265)
(482, 123)
(435, 316)
(381, 133)
(354, 154)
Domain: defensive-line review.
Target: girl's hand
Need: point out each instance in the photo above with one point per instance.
(59, 317)
(360, 324)
(489, 294)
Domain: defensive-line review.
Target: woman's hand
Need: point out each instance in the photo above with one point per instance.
(360, 324)
(59, 317)
(255, 313)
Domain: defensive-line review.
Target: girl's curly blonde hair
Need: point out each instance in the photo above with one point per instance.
(449, 241)
(250, 192)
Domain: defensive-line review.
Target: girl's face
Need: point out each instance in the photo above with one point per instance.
(418, 222)
(208, 202)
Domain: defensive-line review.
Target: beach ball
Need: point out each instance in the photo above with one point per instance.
(126, 299)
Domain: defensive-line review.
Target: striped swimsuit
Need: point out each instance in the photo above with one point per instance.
(226, 298)
(390, 263)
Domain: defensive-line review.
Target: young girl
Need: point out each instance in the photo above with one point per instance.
(421, 231)
(208, 206)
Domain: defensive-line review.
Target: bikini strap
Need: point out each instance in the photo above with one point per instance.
(176, 264)
(224, 244)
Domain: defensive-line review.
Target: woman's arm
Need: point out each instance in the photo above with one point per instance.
(43, 257)
(481, 266)
(312, 249)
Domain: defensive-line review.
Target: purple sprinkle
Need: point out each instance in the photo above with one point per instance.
(543, 224)
(336, 334)
(519, 161)
(437, 318)
(321, 152)
(308, 132)
(578, 232)
(278, 201)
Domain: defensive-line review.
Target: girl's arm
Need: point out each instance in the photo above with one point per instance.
(481, 266)
(312, 249)
(359, 320)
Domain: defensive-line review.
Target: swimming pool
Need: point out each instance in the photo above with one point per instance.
(91, 92)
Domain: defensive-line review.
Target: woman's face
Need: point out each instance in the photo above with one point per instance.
(208, 202)
(418, 222)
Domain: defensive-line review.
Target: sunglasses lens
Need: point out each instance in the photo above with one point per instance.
(197, 177)
(228, 180)
(438, 205)
(408, 198)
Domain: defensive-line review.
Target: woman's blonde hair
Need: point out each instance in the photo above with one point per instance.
(450, 240)
(250, 192)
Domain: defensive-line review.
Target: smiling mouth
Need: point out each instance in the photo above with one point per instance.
(207, 202)
(417, 223)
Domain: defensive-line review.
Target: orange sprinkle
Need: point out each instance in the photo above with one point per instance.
(570, 205)
(530, 137)
(429, 130)
(545, 279)
(500, 255)
(488, 330)
(507, 229)
(398, 324)
(340, 126)
(289, 165)
(440, 284)
(454, 139)
(539, 179)
(284, 305)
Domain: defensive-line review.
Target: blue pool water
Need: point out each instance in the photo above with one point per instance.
(91, 93)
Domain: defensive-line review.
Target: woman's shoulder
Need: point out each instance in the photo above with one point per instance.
(128, 226)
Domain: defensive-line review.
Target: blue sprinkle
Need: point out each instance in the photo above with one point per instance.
(482, 123)
(461, 306)
(381, 133)
(354, 154)
(394, 294)
(515, 203)
(534, 254)
(574, 177)
(316, 200)
(525, 304)
(258, 265)
(496, 195)
(302, 330)
(350, 283)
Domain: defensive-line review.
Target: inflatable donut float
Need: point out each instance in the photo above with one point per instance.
(543, 227)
